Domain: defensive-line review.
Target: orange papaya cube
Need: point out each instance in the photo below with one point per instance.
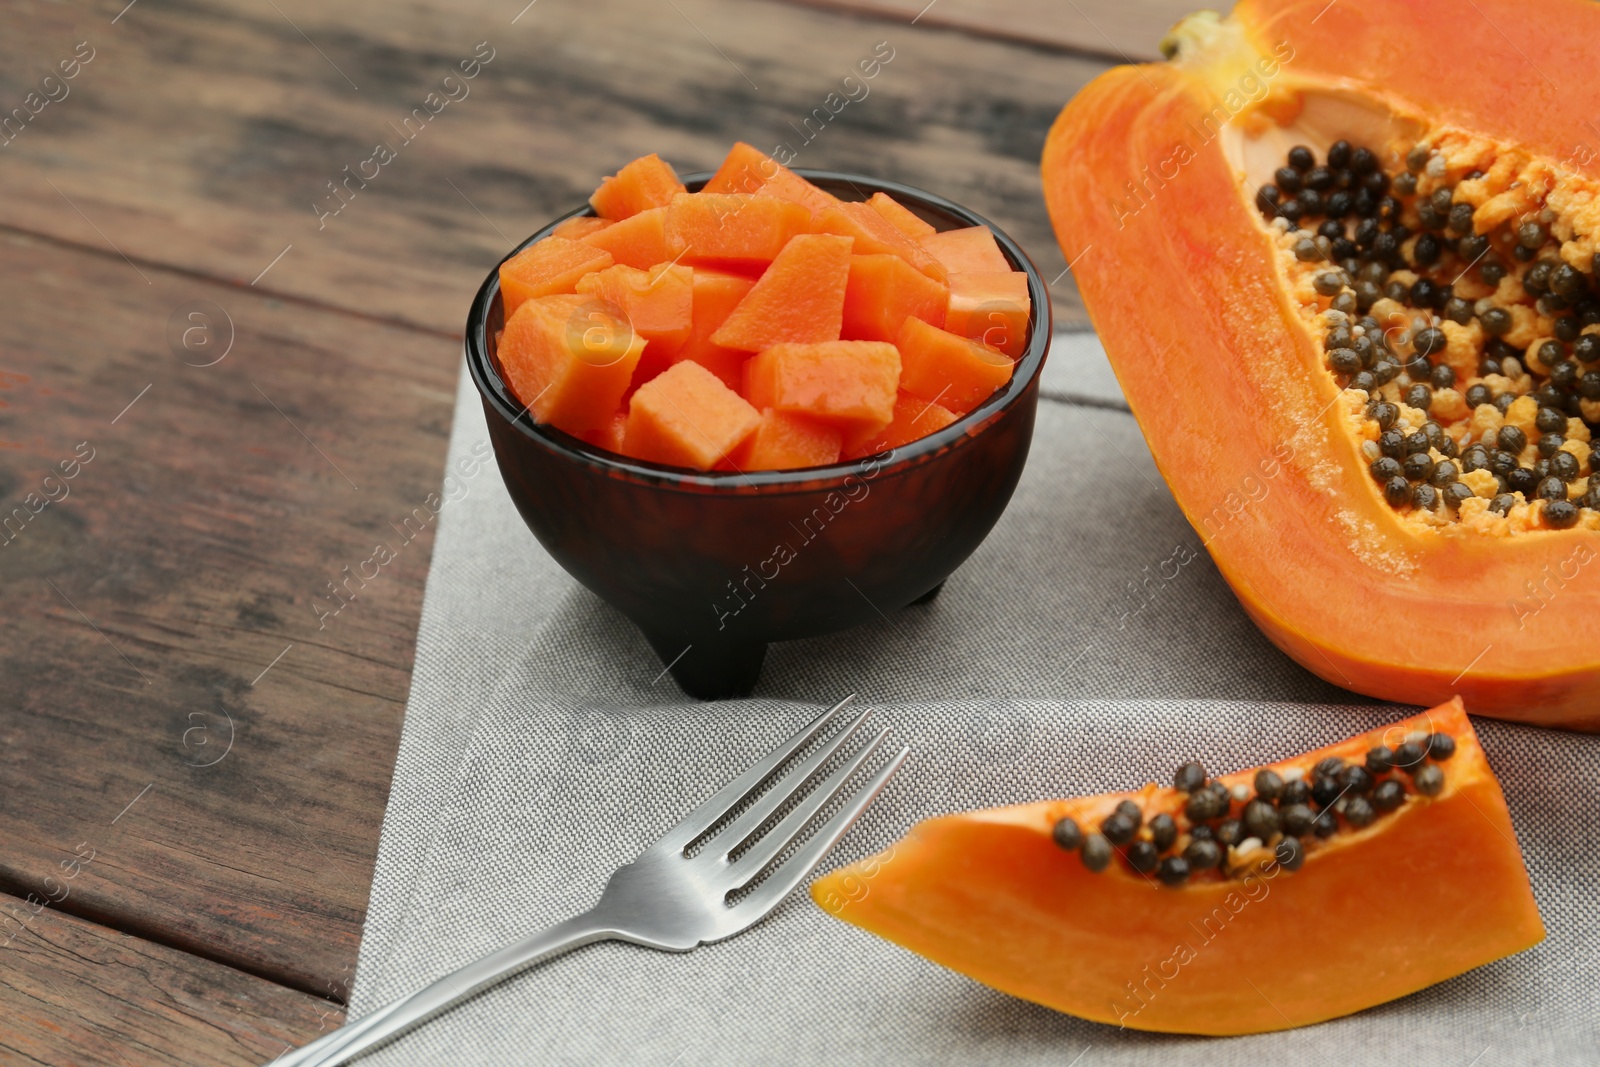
(645, 183)
(882, 292)
(750, 170)
(569, 360)
(657, 303)
(547, 268)
(686, 417)
(875, 235)
(901, 217)
(716, 294)
(937, 366)
(799, 299)
(851, 384)
(914, 418)
(609, 435)
(786, 441)
(578, 227)
(637, 241)
(991, 307)
(967, 250)
(737, 229)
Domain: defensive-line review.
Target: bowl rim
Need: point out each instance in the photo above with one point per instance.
(493, 388)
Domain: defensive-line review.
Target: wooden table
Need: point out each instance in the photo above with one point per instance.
(218, 394)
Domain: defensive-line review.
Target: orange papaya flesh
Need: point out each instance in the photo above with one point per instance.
(749, 170)
(914, 418)
(882, 292)
(637, 241)
(875, 235)
(992, 308)
(786, 441)
(658, 303)
(715, 296)
(850, 384)
(798, 299)
(967, 250)
(648, 182)
(579, 226)
(609, 435)
(686, 417)
(1261, 943)
(901, 217)
(939, 366)
(569, 359)
(735, 229)
(1488, 301)
(546, 268)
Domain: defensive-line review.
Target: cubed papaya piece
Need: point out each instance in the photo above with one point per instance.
(686, 417)
(937, 366)
(547, 268)
(991, 307)
(882, 292)
(637, 241)
(733, 229)
(876, 235)
(716, 294)
(967, 250)
(851, 384)
(750, 170)
(786, 441)
(609, 435)
(901, 217)
(579, 226)
(799, 299)
(645, 183)
(658, 303)
(914, 418)
(569, 360)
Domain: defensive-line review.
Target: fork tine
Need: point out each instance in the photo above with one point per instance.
(740, 830)
(775, 840)
(766, 896)
(728, 797)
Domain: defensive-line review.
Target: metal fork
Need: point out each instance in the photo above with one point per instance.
(667, 899)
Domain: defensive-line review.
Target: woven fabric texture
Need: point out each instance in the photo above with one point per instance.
(1088, 645)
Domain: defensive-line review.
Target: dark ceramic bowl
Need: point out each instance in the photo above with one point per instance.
(713, 566)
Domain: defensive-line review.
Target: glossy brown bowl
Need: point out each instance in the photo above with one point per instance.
(713, 566)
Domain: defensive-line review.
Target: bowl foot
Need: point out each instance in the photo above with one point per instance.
(708, 668)
(928, 597)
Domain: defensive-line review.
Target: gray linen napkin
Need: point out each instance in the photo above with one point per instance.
(1088, 644)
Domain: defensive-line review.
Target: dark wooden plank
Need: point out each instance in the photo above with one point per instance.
(202, 135)
(1127, 32)
(73, 992)
(165, 603)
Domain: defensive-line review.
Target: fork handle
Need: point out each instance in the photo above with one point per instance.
(397, 1017)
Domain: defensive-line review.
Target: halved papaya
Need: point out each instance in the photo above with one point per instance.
(1342, 259)
(1254, 901)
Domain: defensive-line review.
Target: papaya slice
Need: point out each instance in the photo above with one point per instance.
(799, 299)
(569, 359)
(579, 226)
(733, 229)
(658, 303)
(875, 235)
(645, 183)
(640, 240)
(546, 268)
(901, 217)
(749, 170)
(914, 418)
(786, 441)
(610, 433)
(882, 292)
(939, 367)
(968, 250)
(1221, 906)
(715, 296)
(991, 307)
(686, 417)
(1378, 303)
(850, 384)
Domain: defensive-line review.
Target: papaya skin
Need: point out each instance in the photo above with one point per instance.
(1229, 385)
(1423, 894)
